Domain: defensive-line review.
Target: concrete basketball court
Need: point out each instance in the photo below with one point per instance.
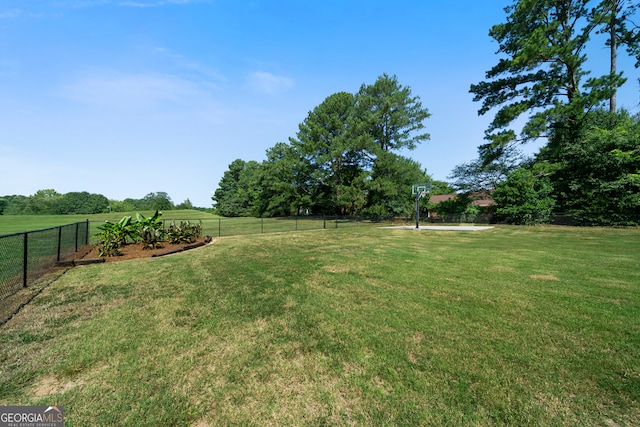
(446, 227)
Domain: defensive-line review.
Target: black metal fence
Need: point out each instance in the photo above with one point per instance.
(559, 218)
(24, 257)
(219, 227)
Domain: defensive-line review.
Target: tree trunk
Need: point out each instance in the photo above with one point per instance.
(613, 49)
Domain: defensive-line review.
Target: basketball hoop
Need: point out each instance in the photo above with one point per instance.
(420, 190)
(421, 187)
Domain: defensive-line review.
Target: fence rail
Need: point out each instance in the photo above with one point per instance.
(220, 227)
(24, 257)
(223, 227)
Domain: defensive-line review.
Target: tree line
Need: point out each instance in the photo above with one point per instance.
(345, 159)
(346, 156)
(589, 167)
(49, 201)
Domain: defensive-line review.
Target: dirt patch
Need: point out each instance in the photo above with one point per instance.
(543, 277)
(136, 250)
(50, 385)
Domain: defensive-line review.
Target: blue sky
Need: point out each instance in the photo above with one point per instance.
(128, 97)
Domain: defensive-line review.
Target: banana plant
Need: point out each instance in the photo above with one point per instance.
(150, 230)
(113, 235)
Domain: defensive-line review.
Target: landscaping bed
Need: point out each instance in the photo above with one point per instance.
(137, 250)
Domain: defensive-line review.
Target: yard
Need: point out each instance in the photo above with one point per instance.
(365, 326)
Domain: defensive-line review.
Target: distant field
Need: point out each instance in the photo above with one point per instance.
(212, 225)
(356, 326)
(43, 239)
(21, 223)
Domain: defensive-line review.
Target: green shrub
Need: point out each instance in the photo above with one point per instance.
(107, 246)
(186, 232)
(113, 235)
(150, 230)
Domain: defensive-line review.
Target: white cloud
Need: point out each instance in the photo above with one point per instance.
(268, 83)
(194, 68)
(135, 91)
(10, 14)
(125, 3)
(153, 3)
(16, 13)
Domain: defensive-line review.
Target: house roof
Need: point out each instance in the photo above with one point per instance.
(483, 202)
(480, 199)
(441, 198)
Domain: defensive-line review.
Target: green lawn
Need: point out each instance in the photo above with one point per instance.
(365, 326)
(211, 224)
(21, 223)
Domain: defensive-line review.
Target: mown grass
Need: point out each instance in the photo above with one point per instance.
(366, 326)
(20, 223)
(212, 225)
(43, 237)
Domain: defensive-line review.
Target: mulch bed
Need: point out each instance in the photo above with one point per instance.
(89, 254)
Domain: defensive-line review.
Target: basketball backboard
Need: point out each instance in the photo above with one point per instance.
(421, 187)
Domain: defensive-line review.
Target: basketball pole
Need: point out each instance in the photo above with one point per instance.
(419, 195)
(420, 190)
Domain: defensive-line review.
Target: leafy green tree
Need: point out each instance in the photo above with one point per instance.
(598, 173)
(394, 118)
(250, 187)
(341, 161)
(441, 187)
(15, 205)
(542, 70)
(159, 201)
(126, 205)
(236, 192)
(185, 205)
(80, 203)
(483, 174)
(457, 209)
(96, 203)
(286, 183)
(42, 202)
(613, 17)
(389, 188)
(332, 142)
(526, 196)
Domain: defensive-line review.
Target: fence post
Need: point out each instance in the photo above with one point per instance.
(324, 221)
(59, 242)
(336, 221)
(261, 225)
(24, 263)
(296, 222)
(86, 238)
(219, 232)
(77, 231)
